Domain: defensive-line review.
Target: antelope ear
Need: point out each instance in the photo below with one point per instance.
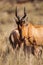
(23, 21)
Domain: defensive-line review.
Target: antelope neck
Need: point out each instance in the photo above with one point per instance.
(20, 32)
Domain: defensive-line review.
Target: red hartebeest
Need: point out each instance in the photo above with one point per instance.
(34, 34)
(15, 36)
(27, 32)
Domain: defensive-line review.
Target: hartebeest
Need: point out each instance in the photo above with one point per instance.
(15, 36)
(26, 32)
(33, 33)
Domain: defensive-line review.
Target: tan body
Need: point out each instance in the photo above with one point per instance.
(34, 33)
(31, 34)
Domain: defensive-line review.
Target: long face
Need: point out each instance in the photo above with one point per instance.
(19, 21)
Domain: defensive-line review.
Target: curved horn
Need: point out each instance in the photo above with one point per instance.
(16, 14)
(24, 14)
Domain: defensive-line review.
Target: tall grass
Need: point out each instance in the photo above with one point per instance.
(8, 56)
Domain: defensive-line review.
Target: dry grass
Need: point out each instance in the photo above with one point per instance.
(7, 23)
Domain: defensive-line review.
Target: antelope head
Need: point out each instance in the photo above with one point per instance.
(19, 21)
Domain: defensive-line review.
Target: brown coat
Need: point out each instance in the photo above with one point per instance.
(33, 32)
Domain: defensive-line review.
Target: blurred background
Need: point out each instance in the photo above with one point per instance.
(34, 11)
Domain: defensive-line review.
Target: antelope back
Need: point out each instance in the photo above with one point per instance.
(36, 33)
